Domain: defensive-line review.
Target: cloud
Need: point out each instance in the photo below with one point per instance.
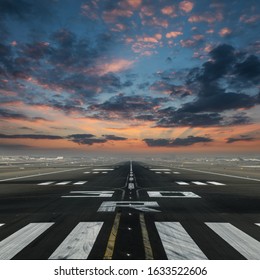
(238, 139)
(31, 136)
(177, 142)
(115, 66)
(90, 139)
(173, 34)
(224, 32)
(9, 114)
(186, 6)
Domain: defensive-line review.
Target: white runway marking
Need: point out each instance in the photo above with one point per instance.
(176, 172)
(46, 183)
(104, 172)
(258, 224)
(131, 186)
(144, 206)
(13, 244)
(199, 183)
(158, 172)
(216, 183)
(177, 242)
(87, 172)
(77, 194)
(79, 242)
(96, 172)
(63, 183)
(160, 169)
(167, 172)
(1, 225)
(181, 183)
(173, 194)
(103, 169)
(243, 243)
(80, 183)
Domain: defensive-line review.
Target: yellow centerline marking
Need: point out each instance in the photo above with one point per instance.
(147, 245)
(112, 238)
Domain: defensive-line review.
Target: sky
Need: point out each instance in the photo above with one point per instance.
(130, 76)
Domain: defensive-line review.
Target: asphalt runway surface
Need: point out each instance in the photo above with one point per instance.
(129, 210)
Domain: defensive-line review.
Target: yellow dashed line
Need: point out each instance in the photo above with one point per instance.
(147, 245)
(112, 238)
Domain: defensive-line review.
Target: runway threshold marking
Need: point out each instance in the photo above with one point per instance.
(199, 183)
(181, 183)
(80, 183)
(46, 183)
(177, 243)
(146, 241)
(78, 244)
(1, 225)
(112, 238)
(103, 169)
(216, 183)
(243, 243)
(63, 183)
(13, 244)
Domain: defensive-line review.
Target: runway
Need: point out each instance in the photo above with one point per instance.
(129, 210)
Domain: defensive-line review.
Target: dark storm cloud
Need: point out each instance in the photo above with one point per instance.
(190, 140)
(128, 107)
(171, 118)
(81, 139)
(30, 136)
(90, 139)
(114, 137)
(9, 114)
(238, 139)
(249, 68)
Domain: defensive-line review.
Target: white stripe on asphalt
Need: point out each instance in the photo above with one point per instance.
(87, 172)
(46, 183)
(258, 224)
(104, 172)
(13, 244)
(243, 243)
(167, 172)
(1, 225)
(216, 183)
(79, 242)
(90, 194)
(199, 183)
(176, 172)
(158, 172)
(103, 169)
(177, 243)
(181, 183)
(80, 183)
(95, 172)
(173, 194)
(63, 183)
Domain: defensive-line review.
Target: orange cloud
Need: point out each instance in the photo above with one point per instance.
(173, 34)
(147, 11)
(155, 39)
(198, 37)
(134, 3)
(169, 11)
(225, 32)
(186, 6)
(115, 66)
